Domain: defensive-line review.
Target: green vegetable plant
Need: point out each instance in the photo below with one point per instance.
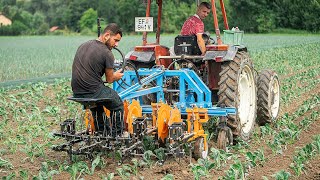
(281, 175)
(202, 168)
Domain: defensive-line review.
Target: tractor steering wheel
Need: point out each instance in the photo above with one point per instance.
(124, 61)
(123, 67)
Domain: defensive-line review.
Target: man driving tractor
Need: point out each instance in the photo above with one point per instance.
(194, 25)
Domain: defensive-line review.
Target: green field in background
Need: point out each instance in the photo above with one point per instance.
(41, 57)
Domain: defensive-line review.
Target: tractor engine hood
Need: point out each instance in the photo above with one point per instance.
(141, 56)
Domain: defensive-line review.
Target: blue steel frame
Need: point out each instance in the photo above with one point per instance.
(192, 90)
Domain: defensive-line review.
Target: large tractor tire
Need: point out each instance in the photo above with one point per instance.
(237, 88)
(268, 96)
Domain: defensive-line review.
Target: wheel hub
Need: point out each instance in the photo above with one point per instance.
(247, 99)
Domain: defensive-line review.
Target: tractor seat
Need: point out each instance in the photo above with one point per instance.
(89, 103)
(186, 45)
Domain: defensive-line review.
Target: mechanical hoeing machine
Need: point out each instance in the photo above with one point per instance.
(169, 96)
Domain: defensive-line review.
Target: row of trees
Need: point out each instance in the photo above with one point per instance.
(36, 16)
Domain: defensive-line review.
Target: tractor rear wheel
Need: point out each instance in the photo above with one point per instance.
(268, 96)
(237, 88)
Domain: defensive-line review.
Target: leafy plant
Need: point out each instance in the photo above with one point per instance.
(202, 168)
(236, 171)
(96, 163)
(281, 175)
(147, 157)
(24, 174)
(123, 173)
(136, 165)
(45, 172)
(78, 167)
(110, 176)
(168, 177)
(219, 157)
(10, 176)
(160, 154)
(6, 164)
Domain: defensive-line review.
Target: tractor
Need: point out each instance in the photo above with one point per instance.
(226, 69)
(169, 96)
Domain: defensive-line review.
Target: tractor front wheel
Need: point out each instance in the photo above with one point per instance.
(237, 88)
(268, 96)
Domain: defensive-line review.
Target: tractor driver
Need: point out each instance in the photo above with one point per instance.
(92, 60)
(194, 25)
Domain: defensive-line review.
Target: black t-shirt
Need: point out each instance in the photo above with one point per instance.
(89, 64)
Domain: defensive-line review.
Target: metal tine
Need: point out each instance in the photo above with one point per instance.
(121, 124)
(96, 119)
(115, 122)
(110, 124)
(104, 125)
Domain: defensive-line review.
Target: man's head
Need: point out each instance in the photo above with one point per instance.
(203, 10)
(111, 36)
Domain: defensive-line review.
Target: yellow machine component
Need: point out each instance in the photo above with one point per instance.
(134, 111)
(89, 121)
(125, 112)
(106, 111)
(196, 117)
(175, 116)
(163, 118)
(155, 108)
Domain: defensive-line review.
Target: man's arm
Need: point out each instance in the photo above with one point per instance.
(113, 76)
(201, 44)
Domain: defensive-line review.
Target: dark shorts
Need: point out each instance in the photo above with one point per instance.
(105, 92)
(115, 105)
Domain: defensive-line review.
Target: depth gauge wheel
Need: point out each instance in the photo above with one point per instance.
(237, 88)
(199, 149)
(268, 96)
(225, 138)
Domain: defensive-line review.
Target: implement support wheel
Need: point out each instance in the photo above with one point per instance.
(224, 138)
(199, 151)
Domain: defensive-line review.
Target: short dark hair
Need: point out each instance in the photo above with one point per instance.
(113, 28)
(205, 4)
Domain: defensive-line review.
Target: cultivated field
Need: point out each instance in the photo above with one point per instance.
(289, 148)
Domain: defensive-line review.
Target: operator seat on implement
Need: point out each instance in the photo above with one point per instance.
(95, 120)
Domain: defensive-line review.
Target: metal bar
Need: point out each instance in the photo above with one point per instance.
(214, 111)
(224, 15)
(207, 92)
(151, 130)
(144, 81)
(172, 90)
(215, 21)
(181, 57)
(144, 38)
(131, 147)
(159, 21)
(142, 92)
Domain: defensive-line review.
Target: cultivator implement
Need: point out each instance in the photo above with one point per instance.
(176, 119)
(169, 96)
